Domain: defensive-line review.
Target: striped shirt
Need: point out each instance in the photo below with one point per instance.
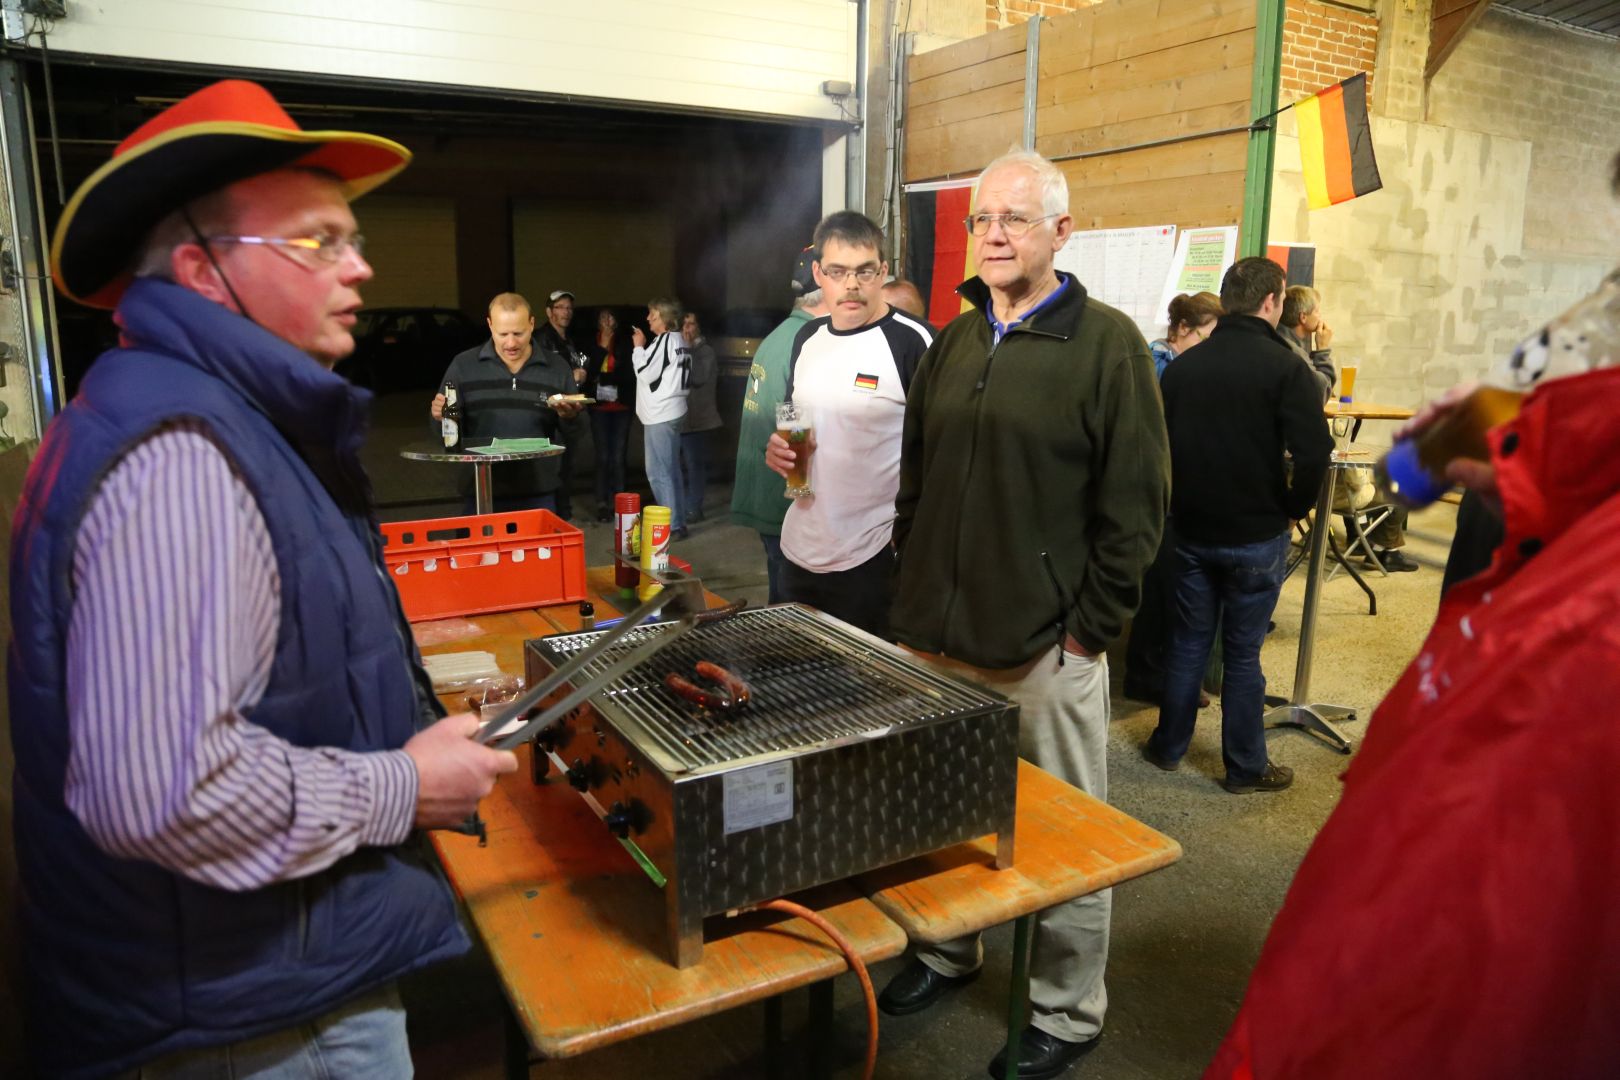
(176, 609)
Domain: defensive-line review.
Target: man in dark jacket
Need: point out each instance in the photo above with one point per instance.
(222, 754)
(507, 387)
(1033, 484)
(1234, 405)
(1305, 331)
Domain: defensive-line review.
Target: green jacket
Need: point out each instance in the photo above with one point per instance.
(756, 497)
(1034, 481)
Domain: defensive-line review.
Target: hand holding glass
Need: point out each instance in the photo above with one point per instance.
(793, 425)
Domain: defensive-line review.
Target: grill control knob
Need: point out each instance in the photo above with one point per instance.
(619, 819)
(579, 776)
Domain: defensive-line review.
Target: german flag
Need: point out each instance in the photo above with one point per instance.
(1335, 144)
(1297, 260)
(939, 255)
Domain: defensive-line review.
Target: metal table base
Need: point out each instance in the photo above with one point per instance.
(1299, 711)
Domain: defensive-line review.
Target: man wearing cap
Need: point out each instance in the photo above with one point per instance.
(508, 387)
(553, 338)
(757, 498)
(223, 734)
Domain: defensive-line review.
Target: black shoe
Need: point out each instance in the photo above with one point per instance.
(694, 516)
(1042, 1056)
(1393, 561)
(1158, 759)
(1274, 778)
(681, 533)
(603, 515)
(917, 987)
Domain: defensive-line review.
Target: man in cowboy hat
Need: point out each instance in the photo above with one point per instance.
(223, 734)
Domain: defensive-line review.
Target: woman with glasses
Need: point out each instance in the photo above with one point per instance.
(1192, 317)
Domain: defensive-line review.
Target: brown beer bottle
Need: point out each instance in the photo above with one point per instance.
(1413, 473)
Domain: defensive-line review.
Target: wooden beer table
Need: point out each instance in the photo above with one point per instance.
(553, 893)
(575, 928)
(1066, 845)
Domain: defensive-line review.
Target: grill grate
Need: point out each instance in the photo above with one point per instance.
(813, 682)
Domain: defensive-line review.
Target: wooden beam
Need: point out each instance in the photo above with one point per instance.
(1449, 23)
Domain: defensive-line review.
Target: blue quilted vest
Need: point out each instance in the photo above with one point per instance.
(127, 961)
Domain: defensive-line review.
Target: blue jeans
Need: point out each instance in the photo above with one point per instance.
(1236, 588)
(695, 467)
(662, 446)
(363, 1040)
(610, 432)
(773, 566)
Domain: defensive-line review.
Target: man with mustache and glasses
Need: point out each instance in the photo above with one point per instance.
(851, 368)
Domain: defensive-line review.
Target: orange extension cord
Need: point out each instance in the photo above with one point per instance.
(855, 965)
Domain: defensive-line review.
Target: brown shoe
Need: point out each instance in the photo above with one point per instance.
(1274, 778)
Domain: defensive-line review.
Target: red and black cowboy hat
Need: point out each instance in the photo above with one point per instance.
(223, 133)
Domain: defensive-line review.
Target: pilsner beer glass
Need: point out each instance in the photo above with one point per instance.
(793, 424)
(1347, 382)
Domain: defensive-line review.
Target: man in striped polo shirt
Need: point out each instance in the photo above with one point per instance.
(223, 734)
(851, 368)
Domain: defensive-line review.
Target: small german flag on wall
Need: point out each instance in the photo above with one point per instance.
(939, 254)
(1335, 143)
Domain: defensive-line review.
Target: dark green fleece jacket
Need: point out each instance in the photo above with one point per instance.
(1034, 480)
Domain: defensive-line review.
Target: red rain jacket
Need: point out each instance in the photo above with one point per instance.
(1459, 914)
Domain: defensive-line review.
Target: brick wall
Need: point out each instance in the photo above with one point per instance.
(1003, 13)
(1324, 43)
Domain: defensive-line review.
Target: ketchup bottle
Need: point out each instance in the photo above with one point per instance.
(626, 512)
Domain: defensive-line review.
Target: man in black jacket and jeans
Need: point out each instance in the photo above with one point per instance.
(1233, 406)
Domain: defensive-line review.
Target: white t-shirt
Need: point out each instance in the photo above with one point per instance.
(854, 382)
(663, 370)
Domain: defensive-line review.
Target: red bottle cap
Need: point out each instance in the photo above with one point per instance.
(627, 502)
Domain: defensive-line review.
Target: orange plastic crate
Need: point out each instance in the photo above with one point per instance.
(493, 562)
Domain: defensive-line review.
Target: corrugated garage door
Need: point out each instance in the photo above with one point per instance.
(733, 56)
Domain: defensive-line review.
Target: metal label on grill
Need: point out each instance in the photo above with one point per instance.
(762, 795)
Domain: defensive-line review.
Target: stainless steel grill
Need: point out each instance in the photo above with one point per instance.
(850, 755)
(814, 682)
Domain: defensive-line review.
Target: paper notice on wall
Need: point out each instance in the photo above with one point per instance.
(1201, 260)
(1124, 268)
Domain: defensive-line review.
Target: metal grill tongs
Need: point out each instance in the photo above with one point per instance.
(682, 595)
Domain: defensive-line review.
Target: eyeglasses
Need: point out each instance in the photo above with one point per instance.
(863, 274)
(1014, 225)
(323, 246)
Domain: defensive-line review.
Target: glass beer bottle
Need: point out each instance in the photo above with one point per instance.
(450, 417)
(1413, 473)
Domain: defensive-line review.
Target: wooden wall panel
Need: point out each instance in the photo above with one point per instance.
(1113, 75)
(964, 104)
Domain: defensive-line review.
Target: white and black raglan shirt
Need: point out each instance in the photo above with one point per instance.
(854, 382)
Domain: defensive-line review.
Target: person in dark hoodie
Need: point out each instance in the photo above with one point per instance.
(1234, 406)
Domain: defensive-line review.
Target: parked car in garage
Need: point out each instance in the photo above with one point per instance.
(407, 348)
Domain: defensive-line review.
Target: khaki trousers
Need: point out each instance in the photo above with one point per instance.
(1063, 728)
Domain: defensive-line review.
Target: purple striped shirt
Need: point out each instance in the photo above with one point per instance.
(177, 604)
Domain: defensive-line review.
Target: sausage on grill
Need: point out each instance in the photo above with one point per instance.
(735, 691)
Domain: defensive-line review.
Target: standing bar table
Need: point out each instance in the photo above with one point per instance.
(483, 491)
(1299, 711)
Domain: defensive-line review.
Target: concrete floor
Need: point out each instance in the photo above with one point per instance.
(1184, 939)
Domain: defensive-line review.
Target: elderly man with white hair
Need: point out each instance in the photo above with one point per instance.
(1033, 489)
